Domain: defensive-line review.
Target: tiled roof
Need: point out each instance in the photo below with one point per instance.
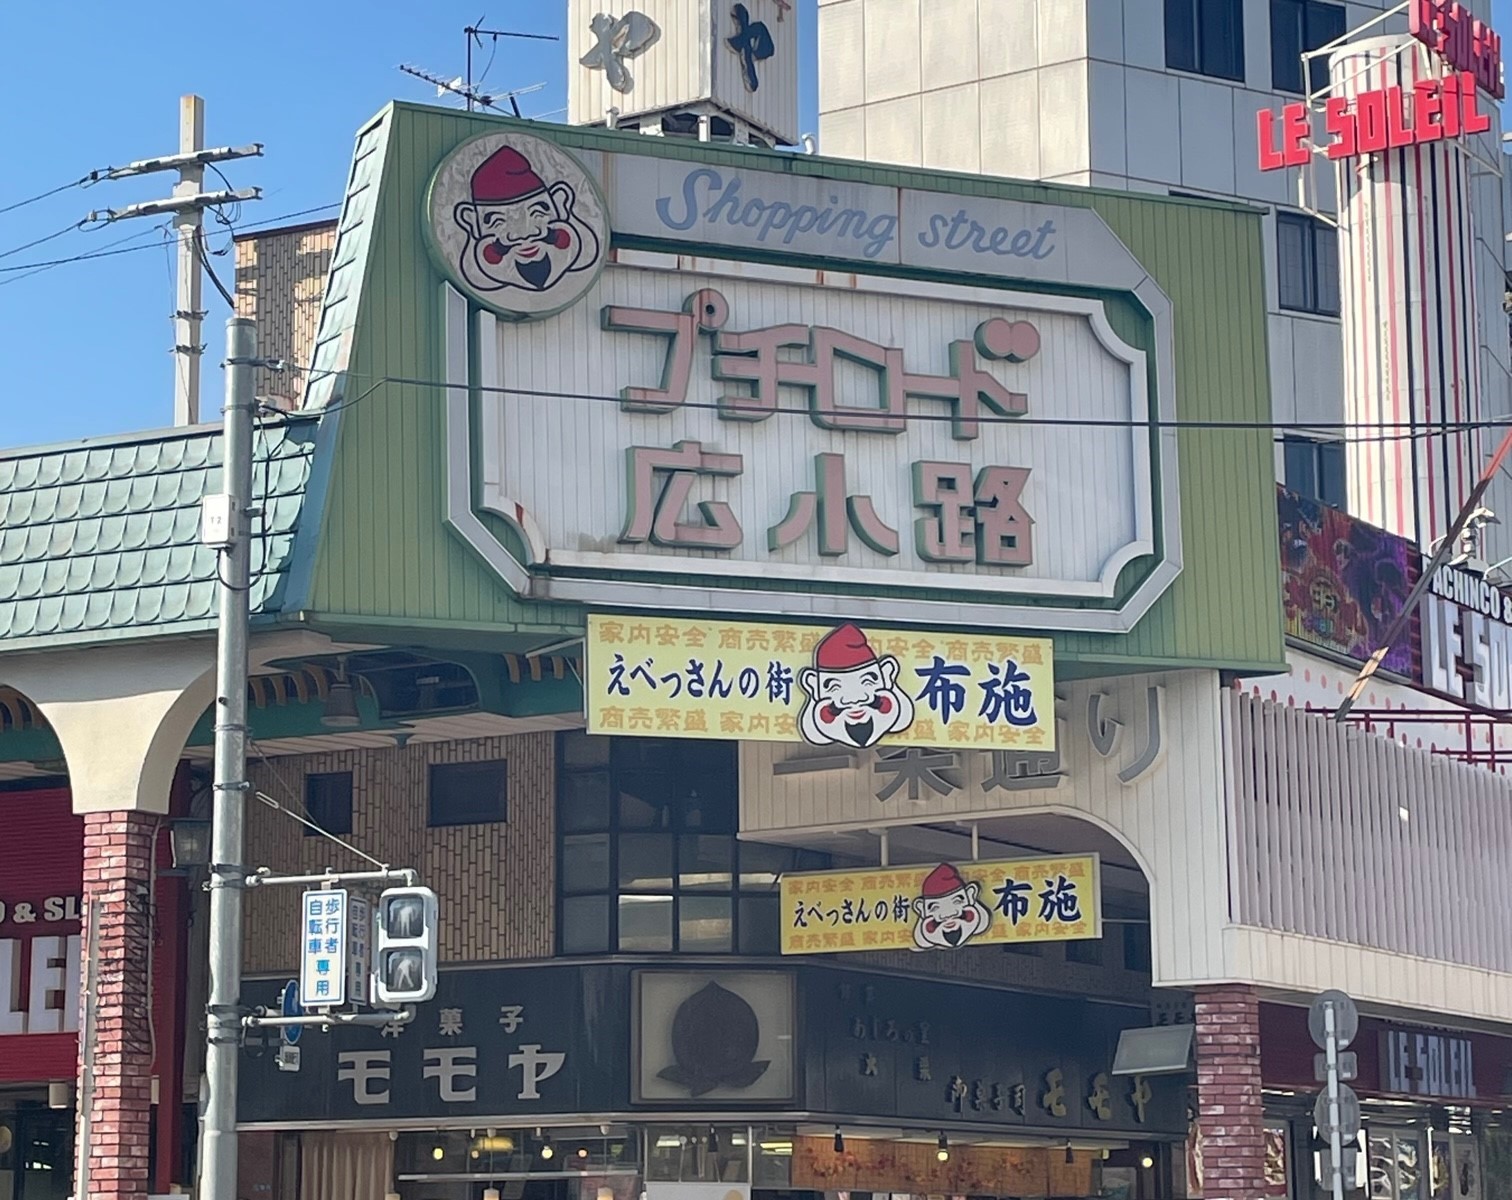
(100, 538)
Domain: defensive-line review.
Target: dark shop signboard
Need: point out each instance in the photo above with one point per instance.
(933, 1053)
(543, 1041)
(498, 1041)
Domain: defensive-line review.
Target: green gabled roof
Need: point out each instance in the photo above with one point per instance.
(100, 538)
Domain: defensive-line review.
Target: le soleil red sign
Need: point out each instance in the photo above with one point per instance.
(1384, 119)
(1465, 43)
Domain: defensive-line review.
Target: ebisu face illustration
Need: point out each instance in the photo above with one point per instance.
(950, 913)
(853, 698)
(522, 233)
(518, 224)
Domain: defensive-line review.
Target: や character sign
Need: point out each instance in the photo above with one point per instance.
(950, 911)
(853, 695)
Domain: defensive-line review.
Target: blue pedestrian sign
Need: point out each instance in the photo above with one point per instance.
(323, 948)
(290, 1006)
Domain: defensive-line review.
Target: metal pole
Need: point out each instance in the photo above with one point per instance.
(1336, 1135)
(227, 874)
(187, 317)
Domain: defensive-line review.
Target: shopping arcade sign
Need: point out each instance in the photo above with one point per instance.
(782, 427)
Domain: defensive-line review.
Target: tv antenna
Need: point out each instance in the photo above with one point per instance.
(475, 34)
(472, 95)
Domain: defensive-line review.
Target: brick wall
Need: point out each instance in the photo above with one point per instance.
(117, 891)
(1230, 1116)
(496, 883)
(280, 281)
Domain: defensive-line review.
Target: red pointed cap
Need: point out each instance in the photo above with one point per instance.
(843, 649)
(504, 176)
(943, 880)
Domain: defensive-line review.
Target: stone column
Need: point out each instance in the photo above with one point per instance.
(1230, 1116)
(116, 1072)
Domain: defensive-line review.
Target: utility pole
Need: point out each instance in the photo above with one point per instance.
(226, 525)
(187, 208)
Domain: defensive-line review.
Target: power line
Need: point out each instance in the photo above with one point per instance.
(60, 262)
(39, 241)
(62, 187)
(1349, 430)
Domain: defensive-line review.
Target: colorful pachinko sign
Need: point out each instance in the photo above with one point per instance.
(944, 907)
(838, 685)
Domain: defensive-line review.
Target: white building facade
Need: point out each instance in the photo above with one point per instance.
(1162, 97)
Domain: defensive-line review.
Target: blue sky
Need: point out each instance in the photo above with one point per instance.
(84, 348)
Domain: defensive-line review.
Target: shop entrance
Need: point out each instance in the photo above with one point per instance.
(36, 1148)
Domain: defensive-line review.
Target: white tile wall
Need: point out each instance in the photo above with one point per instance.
(1010, 125)
(1207, 135)
(893, 131)
(1318, 378)
(841, 63)
(1108, 144)
(1105, 30)
(948, 50)
(891, 38)
(1151, 117)
(1064, 115)
(1008, 33)
(951, 140)
(1062, 31)
(843, 134)
(1144, 34)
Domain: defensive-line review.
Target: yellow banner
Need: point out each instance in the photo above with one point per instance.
(840, 685)
(942, 907)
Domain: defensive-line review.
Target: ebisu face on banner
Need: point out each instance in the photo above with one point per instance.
(945, 907)
(655, 432)
(838, 685)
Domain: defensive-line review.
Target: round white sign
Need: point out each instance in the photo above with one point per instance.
(517, 224)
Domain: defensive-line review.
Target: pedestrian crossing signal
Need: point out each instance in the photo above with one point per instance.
(404, 965)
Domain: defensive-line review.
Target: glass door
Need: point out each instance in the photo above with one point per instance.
(1397, 1167)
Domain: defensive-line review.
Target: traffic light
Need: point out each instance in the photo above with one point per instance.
(404, 965)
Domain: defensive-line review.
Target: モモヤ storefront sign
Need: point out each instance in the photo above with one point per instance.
(836, 685)
(1388, 118)
(944, 907)
(1419, 1062)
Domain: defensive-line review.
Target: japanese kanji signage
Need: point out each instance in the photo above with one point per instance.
(323, 955)
(796, 436)
(825, 685)
(943, 907)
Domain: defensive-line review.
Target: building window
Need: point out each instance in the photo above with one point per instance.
(328, 802)
(1136, 947)
(1315, 469)
(1296, 27)
(472, 793)
(1307, 264)
(647, 857)
(1206, 37)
